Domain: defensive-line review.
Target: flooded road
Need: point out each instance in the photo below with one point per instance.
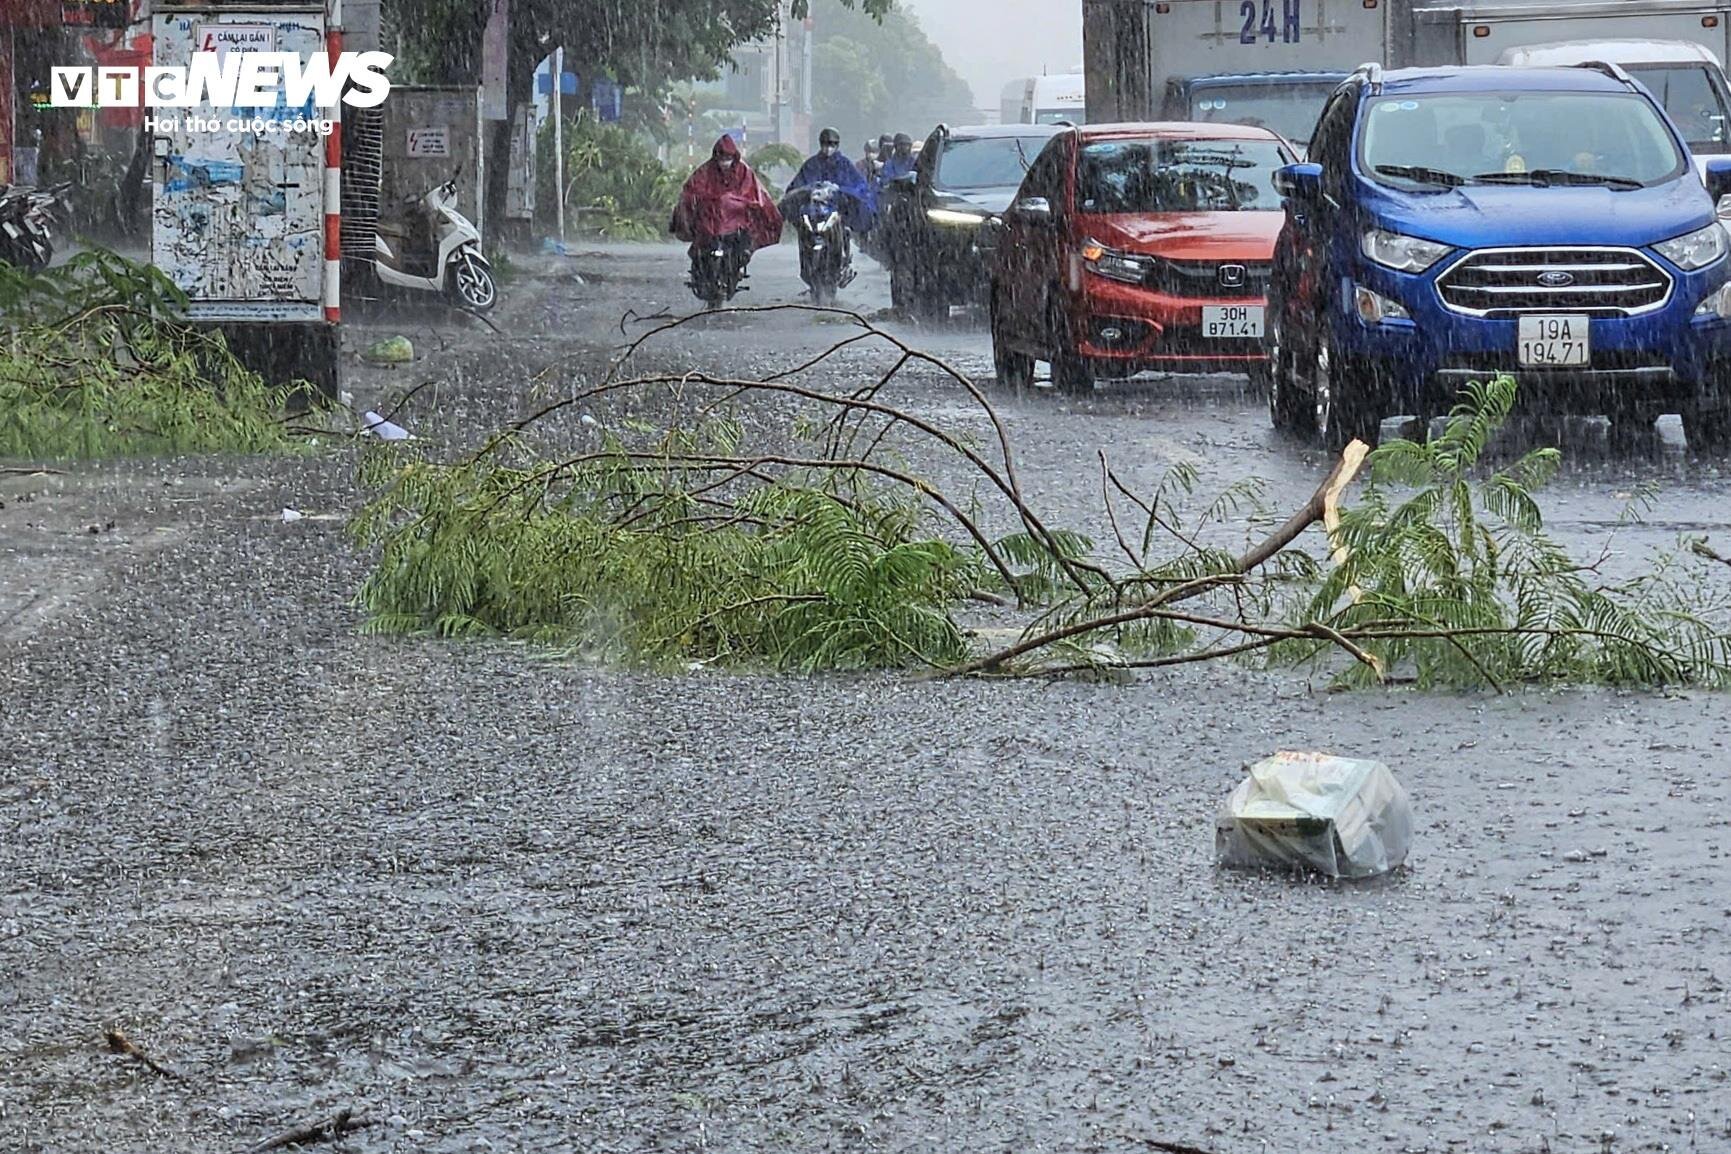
(492, 903)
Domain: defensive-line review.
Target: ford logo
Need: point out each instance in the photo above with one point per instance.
(1556, 279)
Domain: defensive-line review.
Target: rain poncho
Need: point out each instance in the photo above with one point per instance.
(895, 166)
(860, 203)
(716, 203)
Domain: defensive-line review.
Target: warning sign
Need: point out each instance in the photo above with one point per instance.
(430, 141)
(225, 38)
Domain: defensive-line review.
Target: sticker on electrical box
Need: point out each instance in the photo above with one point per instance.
(430, 141)
(225, 38)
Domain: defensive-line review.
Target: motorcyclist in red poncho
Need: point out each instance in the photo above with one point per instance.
(726, 214)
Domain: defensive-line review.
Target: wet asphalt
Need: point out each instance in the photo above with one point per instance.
(489, 902)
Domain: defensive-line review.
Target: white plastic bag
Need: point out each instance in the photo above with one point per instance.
(1336, 815)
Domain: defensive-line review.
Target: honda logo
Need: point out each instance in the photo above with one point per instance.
(1232, 276)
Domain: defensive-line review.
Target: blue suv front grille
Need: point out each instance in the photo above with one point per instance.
(1506, 282)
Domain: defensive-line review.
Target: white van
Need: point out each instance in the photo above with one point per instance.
(1686, 78)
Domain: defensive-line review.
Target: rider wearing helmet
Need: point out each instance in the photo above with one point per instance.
(830, 166)
(901, 159)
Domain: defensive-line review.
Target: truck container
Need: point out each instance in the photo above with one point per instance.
(1148, 58)
(1044, 100)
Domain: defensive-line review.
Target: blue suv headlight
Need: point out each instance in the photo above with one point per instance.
(1695, 250)
(1399, 252)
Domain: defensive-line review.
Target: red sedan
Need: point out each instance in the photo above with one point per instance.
(1138, 247)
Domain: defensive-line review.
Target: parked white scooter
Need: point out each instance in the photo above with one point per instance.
(437, 250)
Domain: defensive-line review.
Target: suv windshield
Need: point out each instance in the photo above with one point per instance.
(1178, 176)
(1290, 109)
(1477, 137)
(1694, 102)
(986, 162)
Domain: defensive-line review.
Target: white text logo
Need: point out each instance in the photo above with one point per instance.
(230, 80)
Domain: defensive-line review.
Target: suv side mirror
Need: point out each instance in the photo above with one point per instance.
(1718, 178)
(1034, 209)
(1302, 182)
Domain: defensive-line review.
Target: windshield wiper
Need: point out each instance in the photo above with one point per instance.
(1543, 177)
(1419, 172)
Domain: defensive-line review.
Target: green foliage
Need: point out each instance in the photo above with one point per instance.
(768, 157)
(625, 558)
(876, 75)
(96, 362)
(613, 179)
(1449, 576)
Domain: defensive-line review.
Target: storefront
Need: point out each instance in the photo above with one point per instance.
(40, 143)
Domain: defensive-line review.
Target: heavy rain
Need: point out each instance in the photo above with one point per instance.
(905, 575)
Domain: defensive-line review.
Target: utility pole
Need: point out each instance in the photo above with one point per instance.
(559, 138)
(780, 78)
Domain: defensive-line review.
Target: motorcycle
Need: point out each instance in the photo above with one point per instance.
(27, 220)
(437, 250)
(825, 243)
(717, 266)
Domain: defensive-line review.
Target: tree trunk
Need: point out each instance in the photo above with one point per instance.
(519, 84)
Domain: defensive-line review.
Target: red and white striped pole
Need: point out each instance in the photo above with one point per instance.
(334, 175)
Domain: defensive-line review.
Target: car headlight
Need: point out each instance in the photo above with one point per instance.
(1695, 250)
(1374, 308)
(1113, 264)
(954, 216)
(1399, 252)
(1717, 304)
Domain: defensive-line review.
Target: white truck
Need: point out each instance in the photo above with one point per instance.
(1274, 61)
(1045, 99)
(1687, 78)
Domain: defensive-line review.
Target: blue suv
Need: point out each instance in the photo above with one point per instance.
(1458, 223)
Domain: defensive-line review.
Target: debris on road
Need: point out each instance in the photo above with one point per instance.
(1339, 816)
(342, 1122)
(290, 516)
(397, 350)
(119, 1043)
(384, 430)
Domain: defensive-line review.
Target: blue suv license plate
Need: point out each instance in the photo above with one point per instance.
(1554, 342)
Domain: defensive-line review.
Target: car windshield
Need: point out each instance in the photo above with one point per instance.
(1178, 176)
(1291, 110)
(1694, 102)
(1466, 137)
(1057, 116)
(987, 161)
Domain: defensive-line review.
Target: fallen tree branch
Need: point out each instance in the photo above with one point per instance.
(1164, 1146)
(1700, 548)
(1323, 503)
(334, 1127)
(119, 1043)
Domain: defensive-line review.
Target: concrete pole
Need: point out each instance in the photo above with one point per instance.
(559, 137)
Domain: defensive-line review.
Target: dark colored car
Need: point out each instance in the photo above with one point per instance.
(1454, 224)
(933, 219)
(1287, 102)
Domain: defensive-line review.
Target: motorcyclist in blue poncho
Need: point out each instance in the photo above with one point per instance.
(829, 165)
(900, 162)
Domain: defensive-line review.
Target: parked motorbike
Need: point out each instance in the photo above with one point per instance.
(27, 220)
(717, 267)
(434, 248)
(825, 242)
